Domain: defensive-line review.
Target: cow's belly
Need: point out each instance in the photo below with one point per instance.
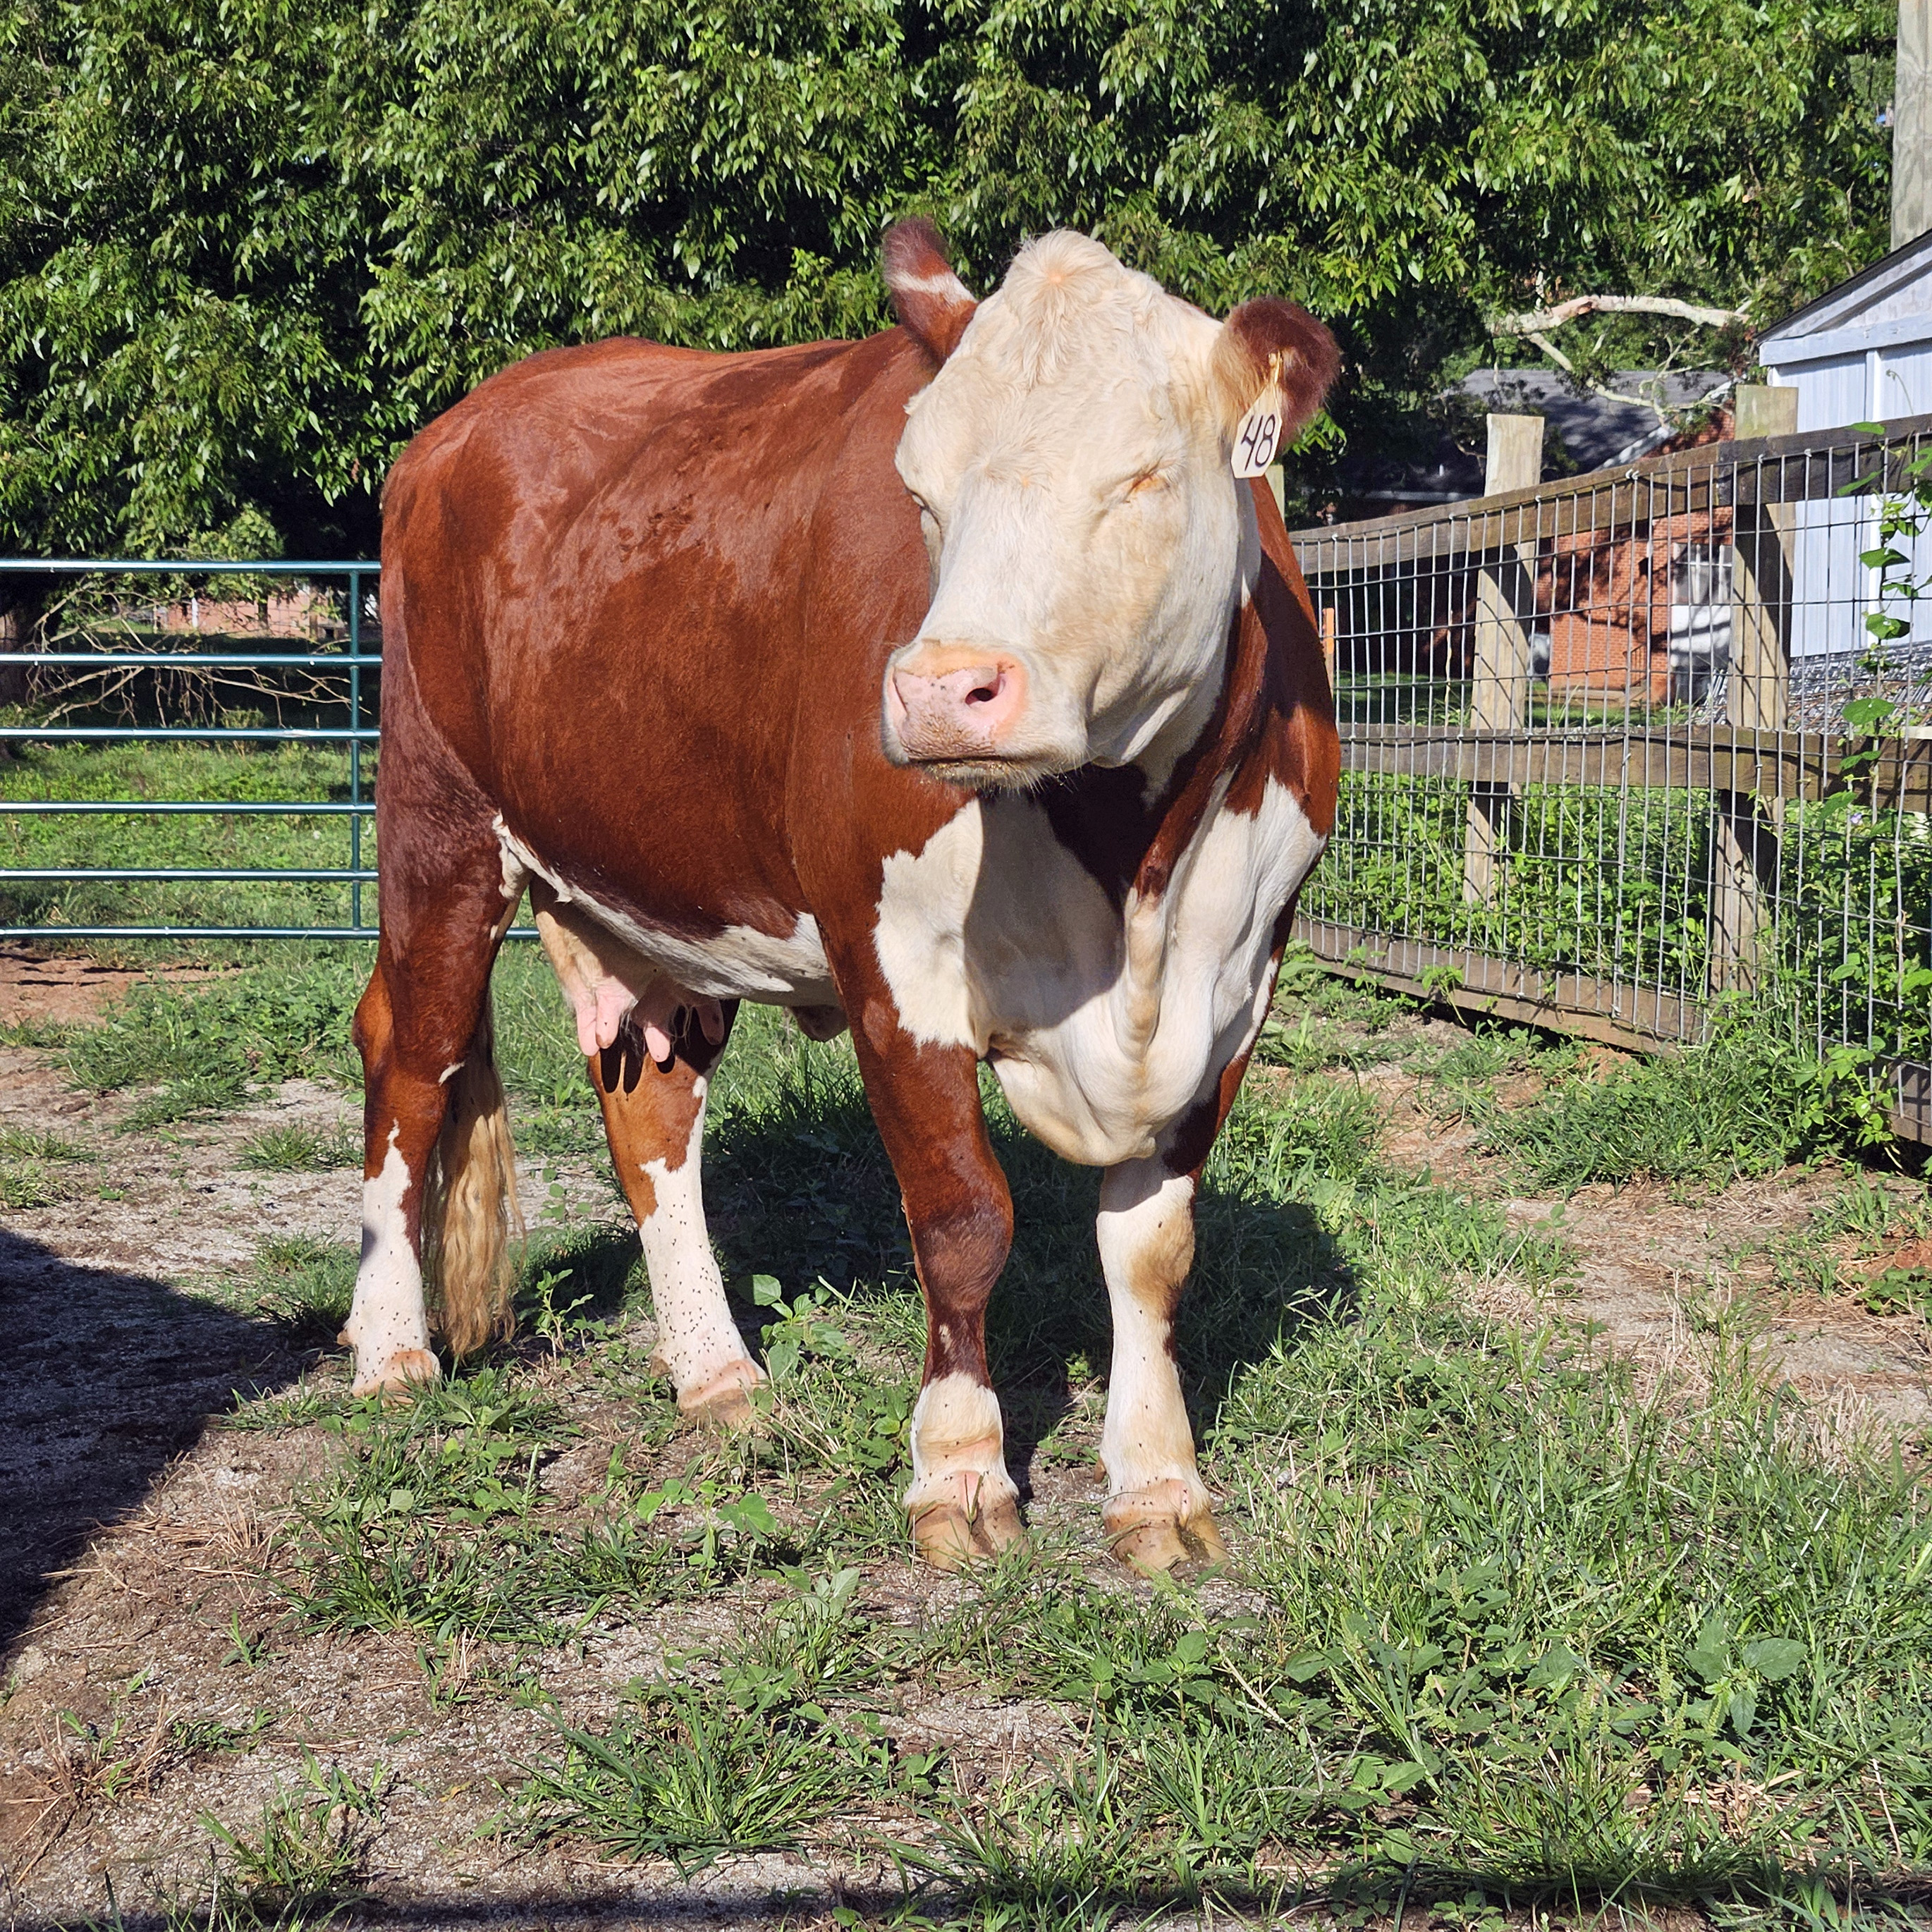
(1103, 1028)
(738, 962)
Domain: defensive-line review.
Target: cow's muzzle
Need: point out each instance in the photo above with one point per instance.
(954, 704)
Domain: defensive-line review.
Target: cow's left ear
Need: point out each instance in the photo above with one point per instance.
(932, 303)
(1269, 342)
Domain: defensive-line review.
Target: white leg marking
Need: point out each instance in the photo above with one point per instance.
(387, 1327)
(1146, 1231)
(958, 1450)
(697, 1340)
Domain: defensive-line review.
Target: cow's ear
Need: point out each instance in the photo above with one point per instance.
(1273, 342)
(930, 301)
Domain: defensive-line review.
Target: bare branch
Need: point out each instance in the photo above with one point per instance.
(1542, 319)
(1569, 368)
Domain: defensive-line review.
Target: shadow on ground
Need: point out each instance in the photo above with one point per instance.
(805, 1193)
(108, 1375)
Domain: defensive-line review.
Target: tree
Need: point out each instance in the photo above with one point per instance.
(247, 247)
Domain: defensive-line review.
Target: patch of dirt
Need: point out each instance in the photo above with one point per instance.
(61, 988)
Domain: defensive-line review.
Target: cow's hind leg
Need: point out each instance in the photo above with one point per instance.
(439, 1190)
(1157, 1511)
(654, 1115)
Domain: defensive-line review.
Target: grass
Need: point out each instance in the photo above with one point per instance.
(302, 1865)
(692, 1775)
(37, 1169)
(295, 773)
(1744, 1102)
(299, 1149)
(1513, 1626)
(1510, 1627)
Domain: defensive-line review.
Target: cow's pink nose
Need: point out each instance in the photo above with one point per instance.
(954, 702)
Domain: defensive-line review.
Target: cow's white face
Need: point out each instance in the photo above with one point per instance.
(1087, 533)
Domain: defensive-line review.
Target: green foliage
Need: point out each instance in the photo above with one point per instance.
(247, 249)
(1615, 885)
(301, 1867)
(287, 1015)
(1744, 1102)
(741, 1764)
(298, 1148)
(1588, 879)
(304, 1285)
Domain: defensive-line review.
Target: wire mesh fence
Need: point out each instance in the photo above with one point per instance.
(1618, 748)
(188, 748)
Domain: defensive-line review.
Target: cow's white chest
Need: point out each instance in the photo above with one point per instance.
(1104, 1025)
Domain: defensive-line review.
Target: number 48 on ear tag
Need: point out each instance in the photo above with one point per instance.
(1257, 439)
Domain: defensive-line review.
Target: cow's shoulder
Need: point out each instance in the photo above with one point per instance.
(1293, 742)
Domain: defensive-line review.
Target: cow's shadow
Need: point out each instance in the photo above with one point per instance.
(109, 1374)
(804, 1191)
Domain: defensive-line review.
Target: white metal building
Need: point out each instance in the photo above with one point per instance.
(1861, 352)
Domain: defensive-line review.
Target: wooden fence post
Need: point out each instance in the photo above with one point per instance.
(1499, 676)
(1743, 855)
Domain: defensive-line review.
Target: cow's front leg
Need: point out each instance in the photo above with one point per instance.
(962, 1502)
(1157, 1506)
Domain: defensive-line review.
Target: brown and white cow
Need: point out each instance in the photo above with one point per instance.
(949, 684)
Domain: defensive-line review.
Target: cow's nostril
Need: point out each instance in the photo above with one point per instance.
(984, 694)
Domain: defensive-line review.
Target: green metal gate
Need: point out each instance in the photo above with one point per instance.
(99, 637)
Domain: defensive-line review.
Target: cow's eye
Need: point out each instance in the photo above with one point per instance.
(1143, 484)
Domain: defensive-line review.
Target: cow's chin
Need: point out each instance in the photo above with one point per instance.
(980, 767)
(990, 774)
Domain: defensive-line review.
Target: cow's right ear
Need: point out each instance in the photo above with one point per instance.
(932, 303)
(1273, 342)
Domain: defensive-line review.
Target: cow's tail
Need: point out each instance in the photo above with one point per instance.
(472, 1227)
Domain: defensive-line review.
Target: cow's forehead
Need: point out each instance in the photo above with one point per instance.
(1073, 340)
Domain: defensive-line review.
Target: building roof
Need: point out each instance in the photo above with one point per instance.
(1887, 307)
(1584, 430)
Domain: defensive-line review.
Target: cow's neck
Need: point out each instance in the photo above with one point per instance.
(1139, 846)
(1130, 826)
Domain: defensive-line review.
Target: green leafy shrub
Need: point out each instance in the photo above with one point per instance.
(1744, 1102)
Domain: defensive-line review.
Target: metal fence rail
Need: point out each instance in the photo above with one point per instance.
(118, 651)
(1619, 748)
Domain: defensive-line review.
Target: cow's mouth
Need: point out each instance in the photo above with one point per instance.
(984, 774)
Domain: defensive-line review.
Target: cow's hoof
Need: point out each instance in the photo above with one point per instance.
(401, 1374)
(724, 1403)
(948, 1537)
(1161, 1528)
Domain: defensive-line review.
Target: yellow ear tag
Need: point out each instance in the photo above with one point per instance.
(1258, 439)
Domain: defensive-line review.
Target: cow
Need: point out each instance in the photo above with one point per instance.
(948, 684)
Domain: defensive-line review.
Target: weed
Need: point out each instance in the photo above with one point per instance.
(192, 1738)
(1743, 1103)
(304, 1285)
(204, 1047)
(1898, 1290)
(298, 1149)
(24, 1143)
(303, 1862)
(693, 1775)
(35, 1168)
